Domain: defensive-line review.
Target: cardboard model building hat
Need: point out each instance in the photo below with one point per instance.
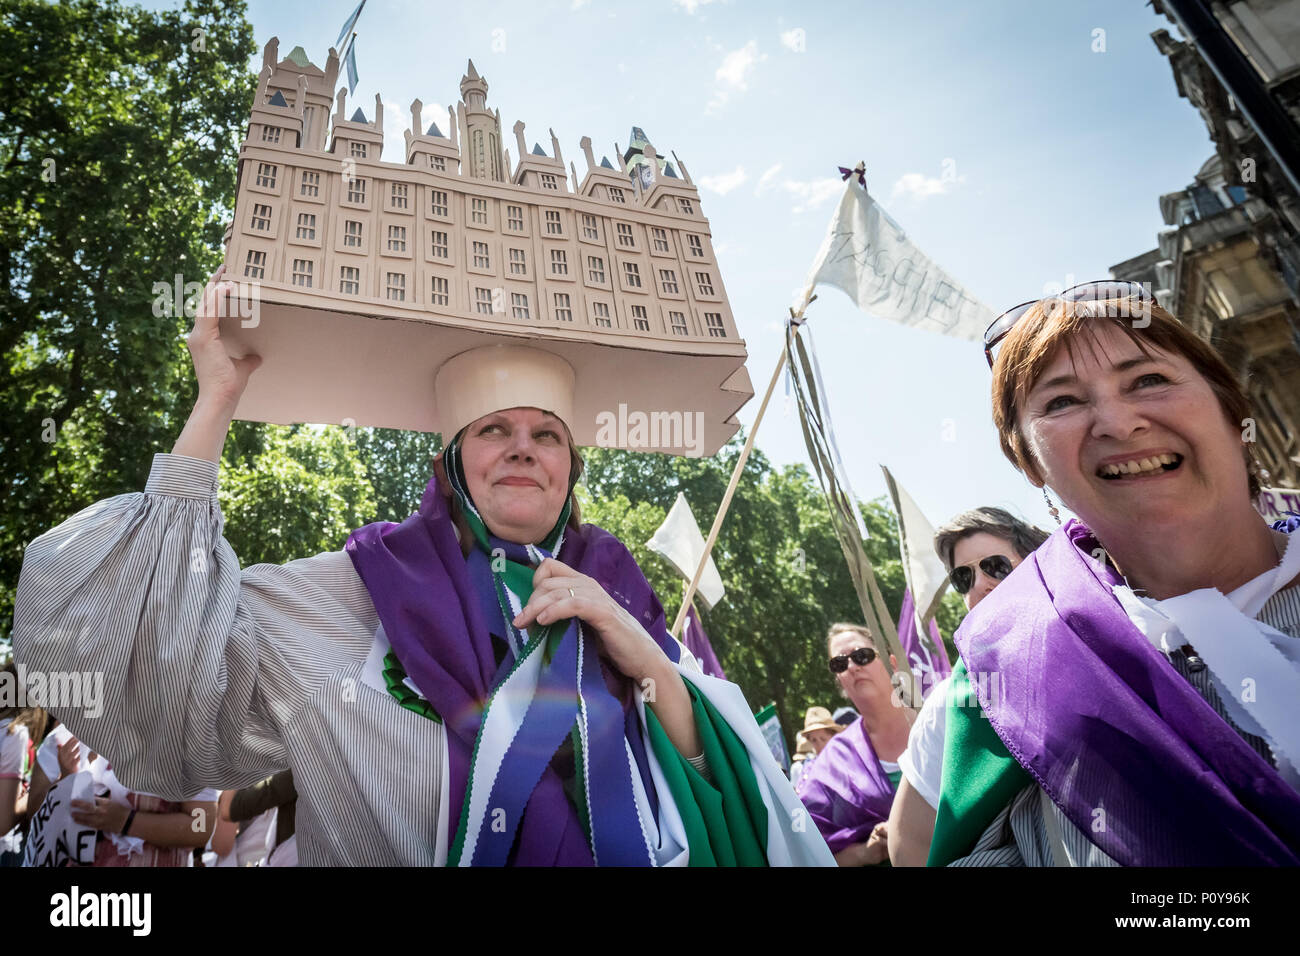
(491, 378)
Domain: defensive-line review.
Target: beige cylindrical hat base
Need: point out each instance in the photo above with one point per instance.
(488, 379)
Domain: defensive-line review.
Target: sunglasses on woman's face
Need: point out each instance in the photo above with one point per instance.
(1099, 291)
(996, 566)
(862, 657)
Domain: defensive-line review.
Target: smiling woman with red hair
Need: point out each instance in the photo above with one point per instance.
(1146, 658)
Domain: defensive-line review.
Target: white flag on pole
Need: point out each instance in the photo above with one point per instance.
(925, 572)
(678, 540)
(868, 255)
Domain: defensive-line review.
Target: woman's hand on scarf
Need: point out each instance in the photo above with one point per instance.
(101, 813)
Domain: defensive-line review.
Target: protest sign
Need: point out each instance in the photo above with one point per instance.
(55, 839)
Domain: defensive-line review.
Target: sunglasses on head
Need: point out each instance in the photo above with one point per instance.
(1099, 291)
(862, 657)
(996, 566)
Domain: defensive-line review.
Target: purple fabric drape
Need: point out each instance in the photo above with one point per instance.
(928, 666)
(697, 642)
(846, 790)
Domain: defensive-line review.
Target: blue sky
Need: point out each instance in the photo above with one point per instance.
(1059, 154)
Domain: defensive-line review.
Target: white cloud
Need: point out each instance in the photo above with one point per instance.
(921, 186)
(579, 4)
(813, 193)
(734, 73)
(794, 40)
(767, 179)
(726, 182)
(690, 6)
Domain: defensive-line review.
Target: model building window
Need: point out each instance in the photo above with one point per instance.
(270, 134)
(596, 269)
(515, 218)
(553, 222)
(687, 207)
(396, 238)
(705, 282)
(480, 211)
(438, 247)
(255, 265)
(356, 190)
(639, 318)
(400, 192)
(661, 240)
(668, 281)
(589, 228)
(438, 203)
(481, 260)
(678, 321)
(519, 305)
(358, 150)
(397, 286)
(518, 263)
(697, 247)
(351, 233)
(616, 194)
(548, 181)
(439, 163)
(266, 173)
(713, 322)
(601, 312)
(632, 275)
(439, 294)
(625, 235)
(559, 262)
(563, 311)
(261, 216)
(310, 184)
(349, 280)
(302, 272)
(483, 301)
(306, 225)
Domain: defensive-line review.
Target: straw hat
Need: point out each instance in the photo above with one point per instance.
(819, 718)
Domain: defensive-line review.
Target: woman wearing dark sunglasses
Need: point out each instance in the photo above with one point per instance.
(1148, 654)
(849, 789)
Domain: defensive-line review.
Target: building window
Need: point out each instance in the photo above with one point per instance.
(397, 286)
(668, 281)
(601, 313)
(616, 194)
(438, 203)
(439, 294)
(310, 184)
(640, 321)
(356, 190)
(358, 150)
(589, 229)
(438, 246)
(563, 311)
(596, 269)
(349, 280)
(479, 211)
(400, 192)
(548, 181)
(519, 305)
(306, 225)
(266, 173)
(705, 283)
(518, 263)
(396, 238)
(553, 222)
(678, 322)
(632, 275)
(713, 322)
(352, 233)
(483, 301)
(270, 134)
(559, 262)
(696, 246)
(481, 259)
(661, 240)
(255, 264)
(515, 218)
(687, 207)
(439, 163)
(261, 216)
(625, 235)
(302, 273)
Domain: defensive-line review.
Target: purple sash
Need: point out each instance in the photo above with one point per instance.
(846, 790)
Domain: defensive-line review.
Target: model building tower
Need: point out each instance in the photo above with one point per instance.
(370, 273)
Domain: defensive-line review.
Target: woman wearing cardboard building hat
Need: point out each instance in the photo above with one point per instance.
(488, 682)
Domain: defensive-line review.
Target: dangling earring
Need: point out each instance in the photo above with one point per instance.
(1051, 506)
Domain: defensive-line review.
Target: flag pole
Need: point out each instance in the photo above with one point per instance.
(689, 596)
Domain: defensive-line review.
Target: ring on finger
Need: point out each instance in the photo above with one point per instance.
(571, 594)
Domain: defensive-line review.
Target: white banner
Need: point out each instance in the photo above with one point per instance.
(868, 255)
(679, 542)
(1273, 503)
(924, 570)
(55, 839)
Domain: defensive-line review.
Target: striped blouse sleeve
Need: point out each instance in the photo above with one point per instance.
(190, 667)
